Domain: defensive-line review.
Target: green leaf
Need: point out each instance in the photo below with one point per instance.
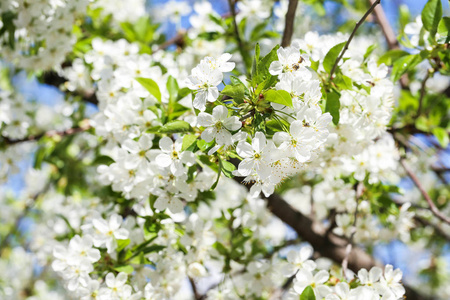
(121, 244)
(331, 57)
(308, 294)
(391, 56)
(279, 96)
(262, 69)
(444, 30)
(237, 92)
(444, 26)
(431, 15)
(188, 140)
(332, 106)
(403, 64)
(177, 126)
(442, 136)
(152, 248)
(126, 269)
(172, 88)
(227, 168)
(151, 86)
(220, 248)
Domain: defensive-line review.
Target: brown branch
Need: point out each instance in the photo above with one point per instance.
(386, 28)
(326, 244)
(289, 23)
(84, 126)
(389, 35)
(197, 296)
(178, 40)
(422, 93)
(348, 249)
(359, 23)
(424, 193)
(15, 228)
(53, 79)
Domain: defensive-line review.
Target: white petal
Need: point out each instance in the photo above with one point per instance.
(220, 113)
(166, 144)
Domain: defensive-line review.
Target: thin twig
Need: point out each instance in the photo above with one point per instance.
(177, 39)
(386, 27)
(422, 93)
(352, 35)
(197, 296)
(51, 133)
(424, 193)
(15, 229)
(348, 249)
(289, 23)
(232, 3)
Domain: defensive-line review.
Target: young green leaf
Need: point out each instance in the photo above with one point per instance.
(227, 168)
(237, 92)
(332, 106)
(177, 126)
(431, 16)
(280, 97)
(403, 64)
(151, 86)
(172, 88)
(442, 136)
(391, 56)
(308, 294)
(126, 269)
(331, 57)
(188, 140)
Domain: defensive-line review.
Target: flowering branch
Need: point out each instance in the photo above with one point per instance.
(289, 23)
(359, 23)
(424, 193)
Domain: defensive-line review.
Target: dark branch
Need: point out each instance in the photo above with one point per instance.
(289, 23)
(424, 193)
(84, 126)
(359, 23)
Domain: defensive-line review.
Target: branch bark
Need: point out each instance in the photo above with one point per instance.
(84, 127)
(424, 193)
(359, 23)
(388, 32)
(289, 23)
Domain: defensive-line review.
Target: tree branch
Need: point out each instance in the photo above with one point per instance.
(359, 23)
(348, 249)
(289, 23)
(422, 93)
(424, 193)
(240, 43)
(388, 32)
(84, 126)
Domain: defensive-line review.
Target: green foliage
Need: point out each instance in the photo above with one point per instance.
(403, 64)
(391, 56)
(333, 105)
(307, 294)
(188, 141)
(176, 126)
(331, 56)
(442, 136)
(431, 16)
(151, 86)
(280, 97)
